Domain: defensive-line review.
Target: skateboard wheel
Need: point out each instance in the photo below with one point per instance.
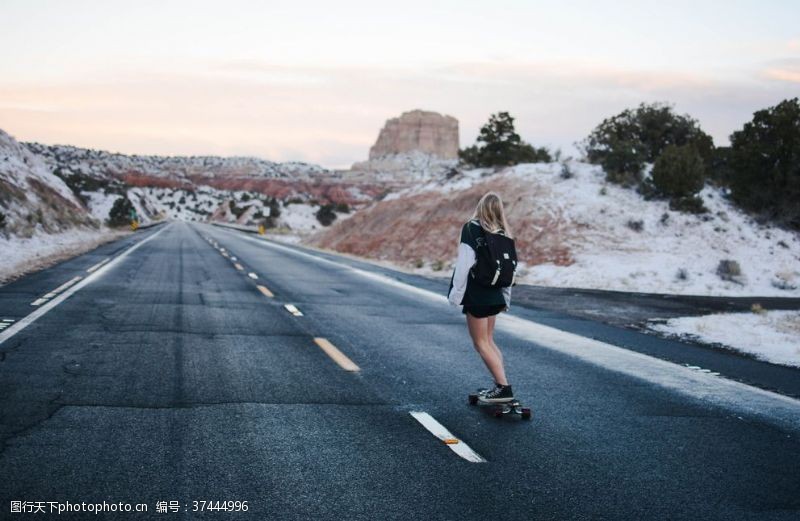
(526, 413)
(473, 399)
(498, 413)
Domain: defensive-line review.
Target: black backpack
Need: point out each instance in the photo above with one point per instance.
(496, 256)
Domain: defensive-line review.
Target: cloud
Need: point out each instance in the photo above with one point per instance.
(785, 70)
(331, 115)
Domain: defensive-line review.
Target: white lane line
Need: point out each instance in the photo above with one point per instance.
(96, 266)
(44, 298)
(729, 394)
(33, 317)
(252, 276)
(291, 308)
(65, 286)
(440, 431)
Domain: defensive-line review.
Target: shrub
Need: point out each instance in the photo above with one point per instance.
(326, 215)
(729, 270)
(498, 144)
(679, 172)
(419, 263)
(274, 209)
(2, 220)
(566, 172)
(624, 143)
(121, 213)
(682, 274)
(691, 204)
(635, 225)
(342, 208)
(437, 265)
(765, 163)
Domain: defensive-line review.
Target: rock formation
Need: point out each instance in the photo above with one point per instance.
(418, 130)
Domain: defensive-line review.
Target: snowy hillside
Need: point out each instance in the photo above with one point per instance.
(33, 200)
(576, 230)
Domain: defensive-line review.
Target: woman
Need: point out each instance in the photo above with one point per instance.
(482, 303)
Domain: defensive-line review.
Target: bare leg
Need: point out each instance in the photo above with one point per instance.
(479, 331)
(490, 328)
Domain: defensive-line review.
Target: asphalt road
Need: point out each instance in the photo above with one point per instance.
(166, 374)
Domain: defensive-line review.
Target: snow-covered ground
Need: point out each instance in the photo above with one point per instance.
(772, 336)
(24, 255)
(617, 240)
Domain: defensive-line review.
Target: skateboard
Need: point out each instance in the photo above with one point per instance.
(502, 409)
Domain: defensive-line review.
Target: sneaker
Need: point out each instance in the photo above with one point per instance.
(484, 390)
(500, 394)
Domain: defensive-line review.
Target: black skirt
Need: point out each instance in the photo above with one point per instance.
(483, 311)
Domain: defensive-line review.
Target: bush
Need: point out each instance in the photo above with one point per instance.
(326, 215)
(500, 145)
(765, 163)
(624, 143)
(691, 204)
(342, 208)
(2, 220)
(679, 172)
(566, 172)
(635, 225)
(729, 270)
(121, 213)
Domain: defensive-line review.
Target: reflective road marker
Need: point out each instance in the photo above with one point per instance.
(239, 266)
(265, 291)
(252, 276)
(441, 432)
(337, 356)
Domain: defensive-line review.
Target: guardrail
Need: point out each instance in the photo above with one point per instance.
(248, 229)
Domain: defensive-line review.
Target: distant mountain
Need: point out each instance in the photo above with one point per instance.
(177, 170)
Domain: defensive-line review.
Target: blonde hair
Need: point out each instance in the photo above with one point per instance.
(490, 214)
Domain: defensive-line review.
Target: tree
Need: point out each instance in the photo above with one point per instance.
(679, 174)
(498, 144)
(765, 163)
(624, 143)
(326, 215)
(121, 212)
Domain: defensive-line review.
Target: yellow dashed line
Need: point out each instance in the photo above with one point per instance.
(265, 291)
(337, 356)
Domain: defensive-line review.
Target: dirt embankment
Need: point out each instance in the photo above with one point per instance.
(426, 226)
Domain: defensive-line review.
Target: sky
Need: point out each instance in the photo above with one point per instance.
(316, 80)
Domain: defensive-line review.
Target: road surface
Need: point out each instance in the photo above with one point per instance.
(173, 372)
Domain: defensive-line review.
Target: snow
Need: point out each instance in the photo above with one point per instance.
(608, 254)
(20, 255)
(100, 203)
(772, 336)
(300, 217)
